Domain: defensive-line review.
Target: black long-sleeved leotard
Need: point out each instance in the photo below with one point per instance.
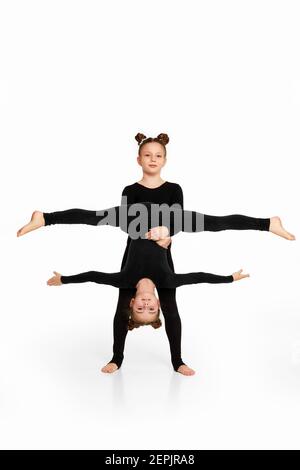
(168, 193)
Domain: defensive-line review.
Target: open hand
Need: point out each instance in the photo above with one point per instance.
(238, 275)
(55, 280)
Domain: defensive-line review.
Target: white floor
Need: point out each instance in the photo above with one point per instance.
(245, 350)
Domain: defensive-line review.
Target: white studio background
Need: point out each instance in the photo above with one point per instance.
(78, 80)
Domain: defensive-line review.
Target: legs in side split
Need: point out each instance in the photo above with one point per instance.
(176, 220)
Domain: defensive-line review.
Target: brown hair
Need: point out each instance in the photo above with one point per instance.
(162, 139)
(132, 323)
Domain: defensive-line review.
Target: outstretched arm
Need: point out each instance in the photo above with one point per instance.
(198, 277)
(111, 279)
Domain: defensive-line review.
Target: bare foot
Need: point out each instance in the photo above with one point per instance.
(110, 368)
(37, 221)
(277, 228)
(185, 370)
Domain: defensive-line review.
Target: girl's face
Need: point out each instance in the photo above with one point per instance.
(145, 307)
(152, 158)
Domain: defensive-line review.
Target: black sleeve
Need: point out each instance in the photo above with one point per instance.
(129, 200)
(177, 196)
(129, 195)
(112, 279)
(197, 277)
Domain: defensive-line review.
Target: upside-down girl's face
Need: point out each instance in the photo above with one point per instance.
(145, 307)
(152, 158)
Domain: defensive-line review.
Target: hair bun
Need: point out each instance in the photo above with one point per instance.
(139, 137)
(157, 323)
(164, 138)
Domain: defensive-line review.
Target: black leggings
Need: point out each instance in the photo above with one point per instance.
(169, 309)
(167, 296)
(186, 221)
